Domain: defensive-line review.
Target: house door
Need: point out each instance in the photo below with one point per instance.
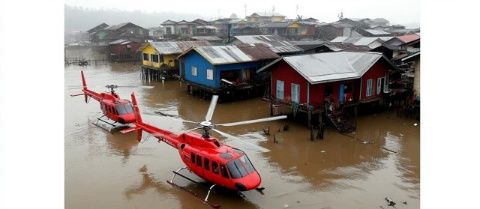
(341, 94)
(295, 93)
(279, 92)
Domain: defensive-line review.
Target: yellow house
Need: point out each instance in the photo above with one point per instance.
(163, 55)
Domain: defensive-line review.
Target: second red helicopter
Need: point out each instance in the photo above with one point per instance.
(206, 156)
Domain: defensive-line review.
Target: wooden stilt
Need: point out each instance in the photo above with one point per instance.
(309, 112)
(321, 126)
(271, 108)
(355, 110)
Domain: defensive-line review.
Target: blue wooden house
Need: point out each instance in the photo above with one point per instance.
(225, 69)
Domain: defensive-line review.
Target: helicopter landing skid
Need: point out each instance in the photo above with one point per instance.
(175, 173)
(109, 126)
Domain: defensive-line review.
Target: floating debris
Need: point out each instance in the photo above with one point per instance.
(390, 201)
(285, 206)
(389, 150)
(266, 131)
(322, 151)
(415, 124)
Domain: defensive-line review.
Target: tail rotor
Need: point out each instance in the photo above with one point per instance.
(84, 83)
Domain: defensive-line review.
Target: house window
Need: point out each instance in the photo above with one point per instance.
(295, 93)
(161, 58)
(369, 87)
(279, 92)
(145, 56)
(194, 71)
(155, 58)
(209, 74)
(379, 85)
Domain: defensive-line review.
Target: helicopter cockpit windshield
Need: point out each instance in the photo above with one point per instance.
(240, 167)
(123, 109)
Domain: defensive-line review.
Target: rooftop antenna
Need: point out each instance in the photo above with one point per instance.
(340, 16)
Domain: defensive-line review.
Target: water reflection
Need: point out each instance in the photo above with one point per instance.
(122, 144)
(185, 199)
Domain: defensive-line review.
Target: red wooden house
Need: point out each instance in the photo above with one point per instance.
(123, 50)
(344, 78)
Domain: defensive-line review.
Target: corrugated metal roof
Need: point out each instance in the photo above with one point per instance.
(120, 41)
(275, 25)
(175, 47)
(365, 41)
(206, 38)
(116, 27)
(276, 43)
(258, 52)
(307, 42)
(333, 66)
(359, 41)
(346, 47)
(218, 55)
(339, 39)
(377, 32)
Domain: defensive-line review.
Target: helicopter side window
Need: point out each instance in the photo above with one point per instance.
(214, 167)
(223, 170)
(199, 160)
(192, 156)
(206, 164)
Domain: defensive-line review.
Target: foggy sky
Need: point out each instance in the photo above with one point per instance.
(406, 12)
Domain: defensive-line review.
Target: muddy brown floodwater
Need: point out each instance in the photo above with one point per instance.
(104, 170)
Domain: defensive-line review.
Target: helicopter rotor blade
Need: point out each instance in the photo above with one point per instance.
(236, 139)
(133, 86)
(254, 121)
(211, 108)
(171, 116)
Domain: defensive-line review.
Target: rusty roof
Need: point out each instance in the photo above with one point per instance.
(219, 55)
(276, 43)
(174, 47)
(408, 38)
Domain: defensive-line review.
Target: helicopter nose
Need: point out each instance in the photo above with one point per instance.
(249, 182)
(128, 118)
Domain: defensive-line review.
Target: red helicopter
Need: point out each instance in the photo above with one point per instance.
(204, 155)
(113, 107)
